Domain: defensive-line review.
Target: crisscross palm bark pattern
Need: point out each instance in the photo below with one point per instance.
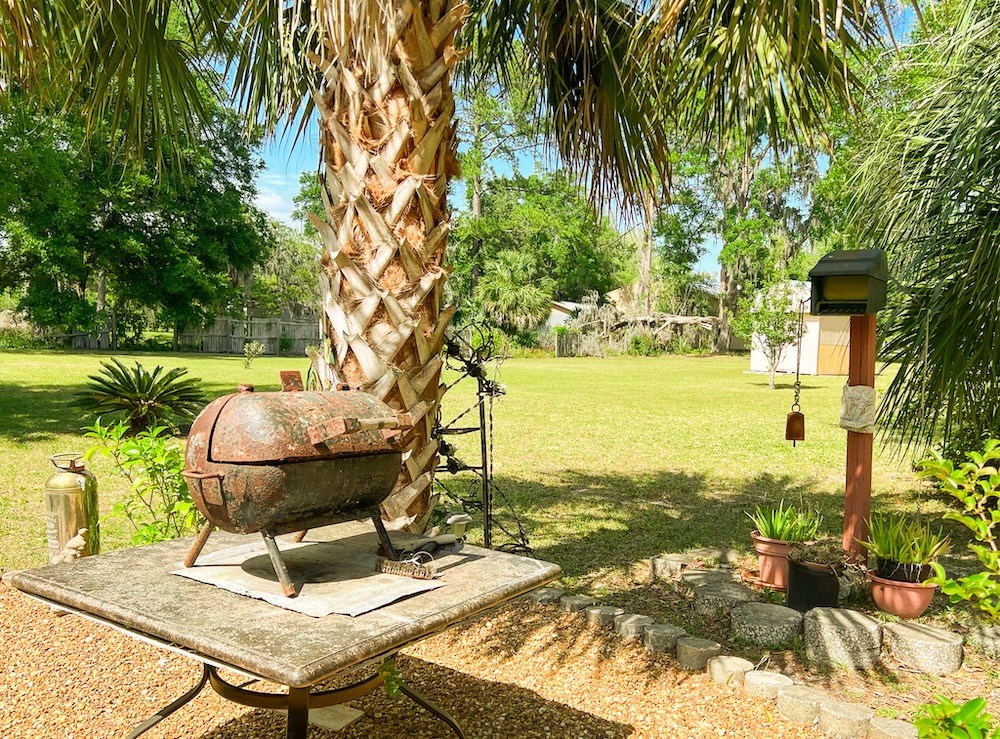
(388, 143)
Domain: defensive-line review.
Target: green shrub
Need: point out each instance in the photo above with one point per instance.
(158, 504)
(21, 338)
(903, 541)
(251, 350)
(947, 720)
(976, 485)
(142, 399)
(644, 345)
(786, 523)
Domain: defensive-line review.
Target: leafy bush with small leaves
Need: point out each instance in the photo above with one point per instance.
(251, 350)
(142, 399)
(159, 504)
(976, 485)
(786, 523)
(947, 720)
(907, 542)
(19, 338)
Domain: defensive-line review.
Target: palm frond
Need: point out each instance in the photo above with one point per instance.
(928, 192)
(741, 68)
(601, 101)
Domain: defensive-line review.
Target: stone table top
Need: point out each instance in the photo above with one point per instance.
(134, 590)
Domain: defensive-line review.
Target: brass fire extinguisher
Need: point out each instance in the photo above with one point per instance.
(71, 521)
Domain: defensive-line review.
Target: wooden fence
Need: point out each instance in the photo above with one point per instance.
(228, 336)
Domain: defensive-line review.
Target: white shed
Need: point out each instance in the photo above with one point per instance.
(825, 342)
(561, 312)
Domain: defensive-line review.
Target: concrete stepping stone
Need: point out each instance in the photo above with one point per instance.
(602, 615)
(721, 596)
(662, 637)
(891, 728)
(631, 625)
(800, 703)
(844, 720)
(986, 640)
(693, 653)
(696, 578)
(761, 684)
(839, 637)
(722, 555)
(546, 596)
(766, 624)
(575, 602)
(925, 648)
(669, 566)
(727, 670)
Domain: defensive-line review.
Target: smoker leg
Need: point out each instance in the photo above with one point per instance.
(301, 535)
(428, 706)
(298, 713)
(383, 536)
(198, 545)
(167, 710)
(287, 586)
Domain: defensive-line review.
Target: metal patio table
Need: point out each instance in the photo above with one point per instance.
(133, 591)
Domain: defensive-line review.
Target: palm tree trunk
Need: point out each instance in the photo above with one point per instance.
(388, 142)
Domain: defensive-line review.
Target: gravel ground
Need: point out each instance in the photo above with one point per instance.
(523, 671)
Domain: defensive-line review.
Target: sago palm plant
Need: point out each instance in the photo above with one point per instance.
(616, 77)
(141, 399)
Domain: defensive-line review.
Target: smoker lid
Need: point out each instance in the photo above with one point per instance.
(257, 428)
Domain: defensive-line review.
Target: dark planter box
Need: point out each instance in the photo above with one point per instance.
(812, 586)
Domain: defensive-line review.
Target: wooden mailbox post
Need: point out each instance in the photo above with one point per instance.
(853, 283)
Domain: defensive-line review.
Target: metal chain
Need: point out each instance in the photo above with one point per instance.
(798, 356)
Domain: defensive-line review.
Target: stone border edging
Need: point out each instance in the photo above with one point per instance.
(795, 702)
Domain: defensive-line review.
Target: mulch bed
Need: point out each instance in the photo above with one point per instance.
(522, 671)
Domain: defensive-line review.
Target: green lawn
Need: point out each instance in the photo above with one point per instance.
(608, 460)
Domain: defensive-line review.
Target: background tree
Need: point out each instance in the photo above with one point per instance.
(111, 241)
(286, 281)
(512, 294)
(548, 219)
(680, 230)
(769, 321)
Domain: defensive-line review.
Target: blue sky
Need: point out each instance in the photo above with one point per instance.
(283, 162)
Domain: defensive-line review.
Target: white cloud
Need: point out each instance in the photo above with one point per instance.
(276, 204)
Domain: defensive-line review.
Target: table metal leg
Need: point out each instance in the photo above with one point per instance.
(431, 708)
(167, 710)
(298, 713)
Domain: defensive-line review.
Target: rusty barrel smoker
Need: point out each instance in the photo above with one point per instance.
(289, 461)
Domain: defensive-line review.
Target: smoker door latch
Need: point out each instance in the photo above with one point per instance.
(321, 433)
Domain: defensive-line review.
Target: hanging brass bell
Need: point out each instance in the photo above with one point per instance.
(795, 427)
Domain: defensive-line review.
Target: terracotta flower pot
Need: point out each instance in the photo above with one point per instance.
(772, 559)
(903, 599)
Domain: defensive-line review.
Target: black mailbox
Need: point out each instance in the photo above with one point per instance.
(850, 282)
